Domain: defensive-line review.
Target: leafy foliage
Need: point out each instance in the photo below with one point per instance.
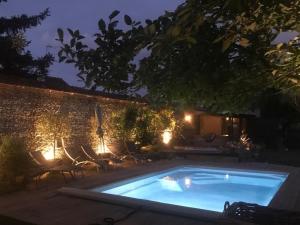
(285, 58)
(53, 126)
(14, 159)
(142, 125)
(212, 54)
(110, 64)
(14, 59)
(124, 124)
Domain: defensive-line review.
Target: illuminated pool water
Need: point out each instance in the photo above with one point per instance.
(202, 188)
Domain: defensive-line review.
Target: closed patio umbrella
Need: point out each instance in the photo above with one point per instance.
(99, 119)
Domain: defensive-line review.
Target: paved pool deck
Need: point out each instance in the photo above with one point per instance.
(45, 205)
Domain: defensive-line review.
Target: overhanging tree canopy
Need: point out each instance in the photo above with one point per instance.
(215, 54)
(14, 59)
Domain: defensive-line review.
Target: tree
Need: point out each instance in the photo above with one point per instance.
(212, 54)
(216, 52)
(110, 64)
(14, 59)
(53, 126)
(285, 58)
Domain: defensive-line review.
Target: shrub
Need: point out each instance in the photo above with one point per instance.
(14, 160)
(142, 125)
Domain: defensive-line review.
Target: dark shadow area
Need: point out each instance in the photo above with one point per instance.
(11, 221)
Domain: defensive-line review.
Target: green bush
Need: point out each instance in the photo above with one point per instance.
(14, 160)
(142, 125)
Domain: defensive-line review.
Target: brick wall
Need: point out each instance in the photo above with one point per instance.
(21, 108)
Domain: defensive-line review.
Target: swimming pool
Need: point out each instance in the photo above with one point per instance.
(199, 187)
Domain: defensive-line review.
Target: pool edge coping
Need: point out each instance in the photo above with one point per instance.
(283, 194)
(157, 207)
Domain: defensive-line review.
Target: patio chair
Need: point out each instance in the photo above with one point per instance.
(128, 152)
(106, 159)
(44, 166)
(81, 162)
(131, 152)
(261, 215)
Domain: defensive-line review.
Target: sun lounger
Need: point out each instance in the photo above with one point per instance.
(105, 158)
(45, 166)
(81, 162)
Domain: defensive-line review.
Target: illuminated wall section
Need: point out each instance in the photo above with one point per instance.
(22, 109)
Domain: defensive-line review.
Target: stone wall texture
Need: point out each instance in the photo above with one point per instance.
(22, 107)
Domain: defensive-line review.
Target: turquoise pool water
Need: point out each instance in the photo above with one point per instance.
(202, 188)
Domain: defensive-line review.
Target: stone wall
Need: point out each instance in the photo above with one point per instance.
(22, 107)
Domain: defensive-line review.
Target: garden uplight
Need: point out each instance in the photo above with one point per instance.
(48, 153)
(102, 149)
(166, 136)
(188, 118)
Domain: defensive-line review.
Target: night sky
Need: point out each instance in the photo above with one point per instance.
(78, 14)
(82, 15)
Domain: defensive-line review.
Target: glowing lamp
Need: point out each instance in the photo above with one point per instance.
(101, 149)
(48, 153)
(188, 118)
(166, 137)
(227, 118)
